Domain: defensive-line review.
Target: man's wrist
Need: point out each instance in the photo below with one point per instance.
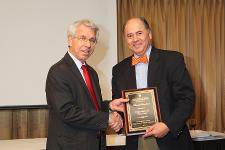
(110, 118)
(110, 108)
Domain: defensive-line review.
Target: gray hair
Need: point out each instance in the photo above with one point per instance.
(71, 31)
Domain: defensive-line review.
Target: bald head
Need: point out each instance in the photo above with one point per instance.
(141, 19)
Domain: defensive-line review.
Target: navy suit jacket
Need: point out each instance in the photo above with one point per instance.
(73, 120)
(167, 72)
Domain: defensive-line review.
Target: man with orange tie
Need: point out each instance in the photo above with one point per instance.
(165, 70)
(77, 114)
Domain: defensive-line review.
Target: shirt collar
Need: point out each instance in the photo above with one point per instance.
(148, 52)
(77, 62)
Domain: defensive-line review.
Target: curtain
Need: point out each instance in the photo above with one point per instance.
(196, 29)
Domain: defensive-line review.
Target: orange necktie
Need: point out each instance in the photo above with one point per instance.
(137, 60)
(89, 86)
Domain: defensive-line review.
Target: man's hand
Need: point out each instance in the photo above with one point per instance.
(158, 130)
(118, 104)
(115, 121)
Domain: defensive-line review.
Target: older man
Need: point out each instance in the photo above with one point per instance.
(77, 114)
(166, 70)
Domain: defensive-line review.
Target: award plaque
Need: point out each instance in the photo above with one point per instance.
(142, 110)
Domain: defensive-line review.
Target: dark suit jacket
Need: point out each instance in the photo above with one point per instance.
(73, 120)
(167, 72)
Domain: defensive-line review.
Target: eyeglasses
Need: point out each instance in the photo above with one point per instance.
(84, 39)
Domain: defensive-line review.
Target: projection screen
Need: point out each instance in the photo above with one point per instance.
(33, 37)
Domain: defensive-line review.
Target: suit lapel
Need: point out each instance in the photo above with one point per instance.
(131, 78)
(76, 72)
(153, 67)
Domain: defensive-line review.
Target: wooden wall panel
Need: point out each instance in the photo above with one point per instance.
(23, 123)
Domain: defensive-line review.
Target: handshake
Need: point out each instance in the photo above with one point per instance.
(115, 120)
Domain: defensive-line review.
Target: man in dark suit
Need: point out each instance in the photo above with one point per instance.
(166, 70)
(77, 114)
